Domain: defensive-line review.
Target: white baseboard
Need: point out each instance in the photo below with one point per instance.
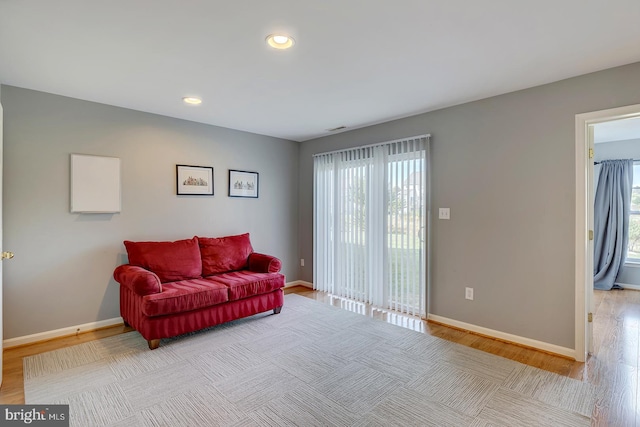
(72, 330)
(299, 283)
(63, 332)
(539, 345)
(628, 286)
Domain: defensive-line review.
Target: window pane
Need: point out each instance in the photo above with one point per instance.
(633, 252)
(635, 199)
(634, 237)
(635, 192)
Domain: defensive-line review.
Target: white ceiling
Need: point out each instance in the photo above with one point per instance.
(355, 62)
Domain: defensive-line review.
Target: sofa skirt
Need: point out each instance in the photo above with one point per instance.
(167, 326)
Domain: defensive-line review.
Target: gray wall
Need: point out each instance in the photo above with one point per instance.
(629, 149)
(62, 272)
(505, 167)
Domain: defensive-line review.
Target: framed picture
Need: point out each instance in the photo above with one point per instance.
(194, 180)
(243, 184)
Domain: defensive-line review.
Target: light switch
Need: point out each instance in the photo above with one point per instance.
(444, 213)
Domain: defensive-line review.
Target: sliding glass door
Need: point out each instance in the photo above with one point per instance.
(370, 207)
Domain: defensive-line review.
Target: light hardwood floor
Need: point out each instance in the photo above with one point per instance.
(613, 368)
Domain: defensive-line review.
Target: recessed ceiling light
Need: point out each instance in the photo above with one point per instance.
(192, 100)
(280, 41)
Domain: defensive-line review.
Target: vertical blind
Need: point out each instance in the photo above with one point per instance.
(370, 216)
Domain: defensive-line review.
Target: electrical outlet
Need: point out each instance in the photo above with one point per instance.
(444, 213)
(301, 262)
(468, 293)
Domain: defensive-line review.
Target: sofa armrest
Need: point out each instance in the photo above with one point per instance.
(261, 263)
(142, 282)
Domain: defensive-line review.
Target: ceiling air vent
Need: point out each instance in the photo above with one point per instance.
(338, 128)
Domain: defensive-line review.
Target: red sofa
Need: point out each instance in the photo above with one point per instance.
(171, 288)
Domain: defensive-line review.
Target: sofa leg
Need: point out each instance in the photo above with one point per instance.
(153, 344)
(277, 310)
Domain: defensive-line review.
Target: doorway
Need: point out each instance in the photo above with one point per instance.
(584, 150)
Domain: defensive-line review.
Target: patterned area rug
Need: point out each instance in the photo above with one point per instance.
(311, 365)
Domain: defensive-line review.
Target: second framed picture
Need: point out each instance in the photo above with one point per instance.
(243, 184)
(194, 180)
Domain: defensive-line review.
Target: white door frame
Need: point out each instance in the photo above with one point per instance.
(584, 212)
(1, 246)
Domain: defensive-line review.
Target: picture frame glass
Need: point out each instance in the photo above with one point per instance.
(194, 180)
(243, 184)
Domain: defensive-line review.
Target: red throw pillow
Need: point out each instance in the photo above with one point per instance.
(223, 254)
(171, 261)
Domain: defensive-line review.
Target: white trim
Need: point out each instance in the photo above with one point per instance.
(299, 283)
(63, 332)
(629, 286)
(632, 264)
(539, 345)
(581, 150)
(86, 327)
(582, 121)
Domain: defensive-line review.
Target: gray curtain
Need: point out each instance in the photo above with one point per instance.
(611, 221)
